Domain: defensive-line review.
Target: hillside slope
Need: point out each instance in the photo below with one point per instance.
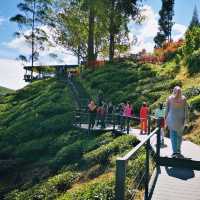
(122, 81)
(4, 90)
(43, 157)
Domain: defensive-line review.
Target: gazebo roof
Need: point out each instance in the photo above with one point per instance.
(41, 67)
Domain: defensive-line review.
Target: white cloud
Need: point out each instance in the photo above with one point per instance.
(11, 74)
(146, 32)
(2, 19)
(11, 71)
(20, 45)
(178, 31)
(63, 56)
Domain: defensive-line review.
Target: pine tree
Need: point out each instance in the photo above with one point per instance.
(32, 15)
(165, 22)
(195, 19)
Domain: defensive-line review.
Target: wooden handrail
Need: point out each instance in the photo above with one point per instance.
(131, 154)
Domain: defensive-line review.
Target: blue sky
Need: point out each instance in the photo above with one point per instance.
(11, 72)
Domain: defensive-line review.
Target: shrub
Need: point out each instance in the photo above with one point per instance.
(192, 49)
(192, 41)
(68, 154)
(50, 189)
(191, 92)
(174, 83)
(103, 153)
(99, 189)
(193, 62)
(195, 102)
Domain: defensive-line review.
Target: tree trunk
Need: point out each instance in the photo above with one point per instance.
(33, 38)
(78, 56)
(91, 36)
(112, 33)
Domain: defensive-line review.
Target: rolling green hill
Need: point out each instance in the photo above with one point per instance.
(43, 157)
(124, 81)
(4, 90)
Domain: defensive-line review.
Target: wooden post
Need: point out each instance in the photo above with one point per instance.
(120, 179)
(114, 117)
(146, 195)
(149, 125)
(158, 148)
(128, 125)
(89, 123)
(147, 171)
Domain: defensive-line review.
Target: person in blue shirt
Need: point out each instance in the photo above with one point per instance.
(160, 116)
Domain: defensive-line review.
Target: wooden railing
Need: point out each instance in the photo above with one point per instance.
(121, 166)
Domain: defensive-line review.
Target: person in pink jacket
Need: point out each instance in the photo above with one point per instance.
(128, 110)
(127, 114)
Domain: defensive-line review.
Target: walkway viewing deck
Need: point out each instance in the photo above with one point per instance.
(177, 184)
(172, 179)
(172, 183)
(181, 182)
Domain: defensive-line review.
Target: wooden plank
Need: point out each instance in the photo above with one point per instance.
(95, 128)
(189, 150)
(177, 184)
(181, 163)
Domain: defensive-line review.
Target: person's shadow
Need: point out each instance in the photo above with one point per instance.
(183, 174)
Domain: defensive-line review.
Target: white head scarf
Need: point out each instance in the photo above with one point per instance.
(176, 89)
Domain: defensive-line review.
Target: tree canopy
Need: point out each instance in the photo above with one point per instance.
(165, 22)
(195, 19)
(88, 28)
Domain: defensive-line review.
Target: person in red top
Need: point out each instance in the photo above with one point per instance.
(144, 111)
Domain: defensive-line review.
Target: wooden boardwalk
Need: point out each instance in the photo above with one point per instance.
(172, 183)
(95, 128)
(178, 183)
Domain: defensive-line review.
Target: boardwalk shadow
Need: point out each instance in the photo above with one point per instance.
(183, 174)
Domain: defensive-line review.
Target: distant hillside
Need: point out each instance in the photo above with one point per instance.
(43, 157)
(122, 81)
(4, 90)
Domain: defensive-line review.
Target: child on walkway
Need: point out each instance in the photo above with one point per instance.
(92, 108)
(103, 113)
(160, 116)
(144, 112)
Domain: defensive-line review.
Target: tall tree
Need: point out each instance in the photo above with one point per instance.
(32, 15)
(159, 39)
(94, 27)
(91, 7)
(195, 19)
(74, 31)
(120, 12)
(165, 22)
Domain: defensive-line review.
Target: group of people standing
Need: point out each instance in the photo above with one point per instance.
(102, 112)
(174, 117)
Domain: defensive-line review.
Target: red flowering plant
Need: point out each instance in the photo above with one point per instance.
(168, 50)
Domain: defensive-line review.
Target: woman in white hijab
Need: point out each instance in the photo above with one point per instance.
(176, 119)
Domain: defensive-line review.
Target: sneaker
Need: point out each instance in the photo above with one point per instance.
(174, 155)
(179, 155)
